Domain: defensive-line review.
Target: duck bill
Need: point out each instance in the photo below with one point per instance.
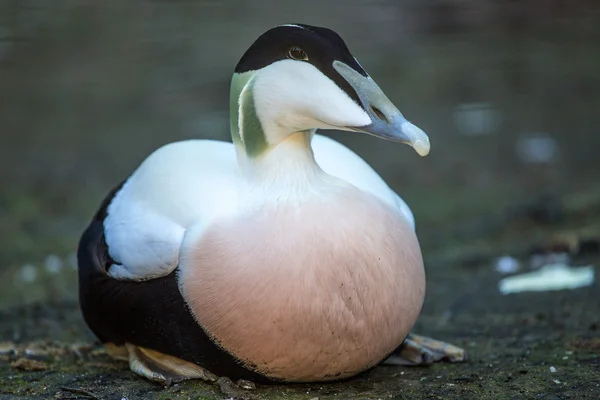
(387, 122)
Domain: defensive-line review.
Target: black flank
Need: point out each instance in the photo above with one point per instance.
(151, 313)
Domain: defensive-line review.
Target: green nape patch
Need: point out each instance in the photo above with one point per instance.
(238, 82)
(252, 132)
(243, 115)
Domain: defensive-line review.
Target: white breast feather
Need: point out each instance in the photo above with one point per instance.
(192, 183)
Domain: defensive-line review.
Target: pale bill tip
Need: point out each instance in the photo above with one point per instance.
(421, 147)
(418, 139)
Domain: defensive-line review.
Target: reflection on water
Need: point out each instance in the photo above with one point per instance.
(477, 119)
(509, 94)
(539, 148)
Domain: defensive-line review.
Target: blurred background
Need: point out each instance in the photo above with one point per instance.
(508, 91)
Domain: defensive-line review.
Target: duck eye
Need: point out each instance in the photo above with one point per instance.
(297, 53)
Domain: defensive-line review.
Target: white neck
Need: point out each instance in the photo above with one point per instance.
(288, 171)
(290, 160)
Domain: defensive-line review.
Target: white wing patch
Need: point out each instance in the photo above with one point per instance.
(144, 243)
(180, 185)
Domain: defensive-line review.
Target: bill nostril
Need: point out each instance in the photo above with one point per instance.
(378, 113)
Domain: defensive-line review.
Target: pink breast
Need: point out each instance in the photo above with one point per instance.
(316, 292)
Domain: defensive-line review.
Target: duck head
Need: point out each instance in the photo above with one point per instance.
(298, 78)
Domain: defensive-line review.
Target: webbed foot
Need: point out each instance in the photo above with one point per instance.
(421, 350)
(163, 368)
(166, 370)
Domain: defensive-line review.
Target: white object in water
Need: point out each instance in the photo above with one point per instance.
(547, 278)
(539, 260)
(53, 264)
(28, 273)
(537, 148)
(507, 265)
(475, 119)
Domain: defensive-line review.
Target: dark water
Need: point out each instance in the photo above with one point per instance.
(509, 94)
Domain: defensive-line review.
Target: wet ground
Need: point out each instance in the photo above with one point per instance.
(512, 112)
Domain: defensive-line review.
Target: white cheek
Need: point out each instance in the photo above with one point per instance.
(291, 95)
